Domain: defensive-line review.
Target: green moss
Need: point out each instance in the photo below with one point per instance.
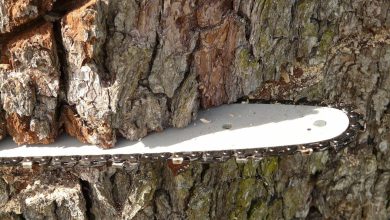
(237, 215)
(275, 210)
(199, 205)
(268, 168)
(229, 170)
(231, 194)
(310, 30)
(250, 169)
(326, 42)
(259, 211)
(370, 166)
(315, 92)
(185, 180)
(265, 211)
(304, 12)
(245, 60)
(264, 43)
(244, 194)
(293, 199)
(318, 161)
(247, 191)
(232, 200)
(266, 5)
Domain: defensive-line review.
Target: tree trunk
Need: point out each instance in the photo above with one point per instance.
(100, 70)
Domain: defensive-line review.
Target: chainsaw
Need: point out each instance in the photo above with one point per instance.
(250, 130)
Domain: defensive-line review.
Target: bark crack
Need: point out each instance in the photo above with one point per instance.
(144, 81)
(108, 78)
(117, 203)
(187, 73)
(62, 66)
(87, 194)
(248, 23)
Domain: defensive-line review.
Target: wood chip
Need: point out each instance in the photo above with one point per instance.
(205, 121)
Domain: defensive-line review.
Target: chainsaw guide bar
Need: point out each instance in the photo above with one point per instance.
(241, 131)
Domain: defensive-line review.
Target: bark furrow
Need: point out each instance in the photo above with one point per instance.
(132, 67)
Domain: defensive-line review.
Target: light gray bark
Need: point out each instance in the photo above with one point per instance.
(171, 57)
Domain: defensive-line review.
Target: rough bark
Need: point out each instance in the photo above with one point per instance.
(15, 14)
(30, 86)
(132, 67)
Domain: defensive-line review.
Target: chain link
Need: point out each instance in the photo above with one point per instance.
(356, 125)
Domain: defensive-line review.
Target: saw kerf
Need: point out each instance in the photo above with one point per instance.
(178, 161)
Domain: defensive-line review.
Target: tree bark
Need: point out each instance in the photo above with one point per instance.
(100, 70)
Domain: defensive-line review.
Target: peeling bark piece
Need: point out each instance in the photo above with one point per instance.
(30, 86)
(150, 72)
(177, 41)
(52, 201)
(155, 52)
(17, 93)
(130, 47)
(84, 33)
(334, 51)
(14, 13)
(248, 73)
(75, 127)
(213, 62)
(185, 104)
(106, 66)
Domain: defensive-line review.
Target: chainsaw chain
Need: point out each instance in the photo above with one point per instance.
(356, 125)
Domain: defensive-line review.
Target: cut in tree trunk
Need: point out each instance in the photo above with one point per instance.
(100, 70)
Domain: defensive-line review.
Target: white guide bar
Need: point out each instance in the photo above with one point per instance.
(229, 127)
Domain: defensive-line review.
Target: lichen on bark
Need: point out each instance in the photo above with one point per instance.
(121, 69)
(30, 86)
(152, 63)
(15, 13)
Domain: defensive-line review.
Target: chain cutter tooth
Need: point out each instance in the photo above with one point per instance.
(271, 151)
(241, 160)
(12, 161)
(159, 156)
(27, 163)
(192, 156)
(177, 158)
(290, 149)
(319, 147)
(64, 162)
(144, 157)
(94, 161)
(304, 150)
(163, 156)
(125, 161)
(242, 156)
(117, 161)
(257, 155)
(223, 156)
(42, 161)
(207, 157)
